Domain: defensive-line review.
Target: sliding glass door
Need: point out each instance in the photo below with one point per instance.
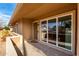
(58, 31)
(52, 31)
(64, 32)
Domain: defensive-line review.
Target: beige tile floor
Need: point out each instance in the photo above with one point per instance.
(32, 51)
(38, 49)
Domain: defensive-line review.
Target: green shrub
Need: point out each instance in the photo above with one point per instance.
(6, 28)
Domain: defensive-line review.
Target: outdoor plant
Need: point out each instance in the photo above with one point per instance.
(6, 28)
(5, 32)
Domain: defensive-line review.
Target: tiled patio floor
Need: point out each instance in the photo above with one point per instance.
(38, 49)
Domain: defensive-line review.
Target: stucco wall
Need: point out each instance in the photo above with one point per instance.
(19, 27)
(27, 29)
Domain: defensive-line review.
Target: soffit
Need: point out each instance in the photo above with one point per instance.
(34, 11)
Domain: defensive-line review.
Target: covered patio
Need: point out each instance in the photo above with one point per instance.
(28, 13)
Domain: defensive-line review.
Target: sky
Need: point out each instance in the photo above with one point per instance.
(6, 11)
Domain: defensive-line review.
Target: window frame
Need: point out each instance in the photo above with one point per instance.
(72, 13)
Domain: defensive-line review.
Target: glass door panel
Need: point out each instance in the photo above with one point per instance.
(44, 31)
(52, 31)
(64, 32)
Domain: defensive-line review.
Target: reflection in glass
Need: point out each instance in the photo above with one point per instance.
(52, 31)
(44, 31)
(64, 32)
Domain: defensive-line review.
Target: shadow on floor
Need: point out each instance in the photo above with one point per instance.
(17, 49)
(48, 50)
(24, 49)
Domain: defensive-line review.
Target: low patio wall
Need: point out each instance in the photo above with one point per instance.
(14, 45)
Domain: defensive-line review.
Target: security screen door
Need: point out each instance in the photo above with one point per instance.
(36, 30)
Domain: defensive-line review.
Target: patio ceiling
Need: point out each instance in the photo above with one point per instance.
(35, 11)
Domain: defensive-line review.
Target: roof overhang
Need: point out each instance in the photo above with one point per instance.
(34, 11)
